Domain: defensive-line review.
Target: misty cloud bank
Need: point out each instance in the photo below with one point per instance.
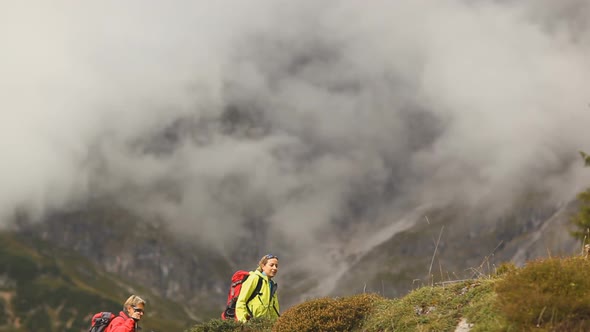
(291, 116)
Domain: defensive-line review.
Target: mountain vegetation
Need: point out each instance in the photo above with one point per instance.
(582, 219)
(44, 288)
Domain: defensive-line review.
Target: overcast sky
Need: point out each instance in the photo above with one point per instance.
(303, 114)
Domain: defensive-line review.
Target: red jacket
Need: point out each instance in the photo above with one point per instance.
(122, 323)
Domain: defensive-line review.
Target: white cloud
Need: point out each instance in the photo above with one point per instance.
(340, 108)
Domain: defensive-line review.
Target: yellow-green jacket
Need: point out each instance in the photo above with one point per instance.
(264, 304)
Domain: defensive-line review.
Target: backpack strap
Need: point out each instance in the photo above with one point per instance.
(256, 291)
(272, 294)
(107, 316)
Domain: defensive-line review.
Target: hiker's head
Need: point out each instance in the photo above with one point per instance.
(269, 264)
(134, 307)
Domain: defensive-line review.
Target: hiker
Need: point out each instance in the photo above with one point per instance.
(130, 316)
(266, 303)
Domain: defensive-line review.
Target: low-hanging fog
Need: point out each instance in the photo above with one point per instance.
(296, 116)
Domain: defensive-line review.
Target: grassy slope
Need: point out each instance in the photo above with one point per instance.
(48, 289)
(545, 295)
(425, 309)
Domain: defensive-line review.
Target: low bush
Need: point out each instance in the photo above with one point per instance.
(547, 295)
(505, 268)
(328, 314)
(218, 325)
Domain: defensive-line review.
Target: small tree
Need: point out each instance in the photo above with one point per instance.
(582, 219)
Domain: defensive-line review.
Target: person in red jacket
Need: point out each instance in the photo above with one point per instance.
(129, 317)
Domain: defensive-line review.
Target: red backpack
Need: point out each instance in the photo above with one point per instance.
(100, 321)
(234, 291)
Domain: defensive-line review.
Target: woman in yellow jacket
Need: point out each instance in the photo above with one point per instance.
(266, 303)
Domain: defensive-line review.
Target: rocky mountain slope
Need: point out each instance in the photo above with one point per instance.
(450, 248)
(45, 288)
(173, 267)
(426, 246)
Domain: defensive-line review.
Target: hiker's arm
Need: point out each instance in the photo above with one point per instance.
(247, 288)
(119, 324)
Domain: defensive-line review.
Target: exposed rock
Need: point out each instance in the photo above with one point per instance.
(463, 326)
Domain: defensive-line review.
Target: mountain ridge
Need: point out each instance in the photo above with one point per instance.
(392, 263)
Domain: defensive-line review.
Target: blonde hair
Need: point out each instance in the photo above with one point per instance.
(133, 301)
(264, 260)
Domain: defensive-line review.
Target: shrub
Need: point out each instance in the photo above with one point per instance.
(582, 219)
(327, 314)
(505, 268)
(259, 325)
(218, 325)
(551, 294)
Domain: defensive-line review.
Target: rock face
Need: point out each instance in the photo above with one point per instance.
(144, 253)
(454, 245)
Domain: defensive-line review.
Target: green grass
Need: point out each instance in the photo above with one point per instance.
(436, 308)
